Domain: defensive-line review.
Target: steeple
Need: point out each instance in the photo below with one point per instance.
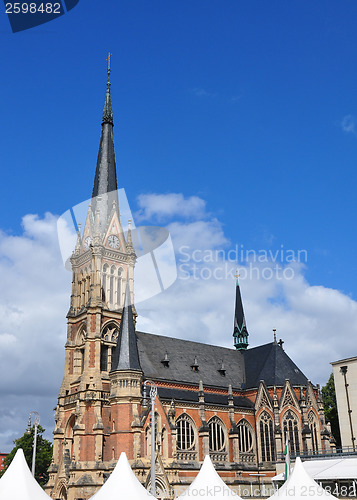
(105, 180)
(240, 332)
(126, 355)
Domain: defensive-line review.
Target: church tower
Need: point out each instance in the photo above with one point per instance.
(103, 271)
(237, 405)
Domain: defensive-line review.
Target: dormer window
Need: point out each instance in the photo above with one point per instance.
(222, 370)
(195, 365)
(165, 361)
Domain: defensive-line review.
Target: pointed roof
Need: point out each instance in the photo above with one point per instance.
(208, 484)
(18, 482)
(105, 179)
(126, 355)
(269, 362)
(300, 485)
(122, 483)
(240, 332)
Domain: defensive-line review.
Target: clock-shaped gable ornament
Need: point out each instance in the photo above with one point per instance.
(113, 241)
(87, 242)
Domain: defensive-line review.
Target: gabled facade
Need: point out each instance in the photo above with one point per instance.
(238, 405)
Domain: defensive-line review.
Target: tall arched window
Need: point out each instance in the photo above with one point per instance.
(119, 286)
(291, 431)
(112, 283)
(111, 290)
(314, 431)
(266, 430)
(78, 359)
(217, 435)
(245, 437)
(109, 339)
(105, 282)
(185, 433)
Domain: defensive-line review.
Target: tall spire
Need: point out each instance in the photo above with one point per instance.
(107, 111)
(105, 179)
(240, 332)
(126, 356)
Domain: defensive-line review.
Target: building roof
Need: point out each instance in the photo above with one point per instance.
(181, 356)
(269, 362)
(183, 361)
(187, 396)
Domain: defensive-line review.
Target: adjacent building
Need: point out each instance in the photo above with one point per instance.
(345, 376)
(238, 405)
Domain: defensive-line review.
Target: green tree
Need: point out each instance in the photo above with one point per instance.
(330, 408)
(43, 453)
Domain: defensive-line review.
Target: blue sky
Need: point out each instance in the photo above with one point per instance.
(249, 107)
(240, 103)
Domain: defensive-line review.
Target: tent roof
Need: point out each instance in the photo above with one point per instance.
(122, 484)
(209, 483)
(18, 482)
(300, 485)
(324, 469)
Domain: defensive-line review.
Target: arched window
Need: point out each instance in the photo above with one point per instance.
(267, 445)
(314, 431)
(245, 437)
(185, 433)
(111, 290)
(105, 282)
(217, 435)
(109, 339)
(291, 430)
(112, 283)
(78, 360)
(119, 286)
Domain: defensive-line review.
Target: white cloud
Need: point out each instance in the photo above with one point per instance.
(348, 124)
(318, 324)
(161, 207)
(34, 298)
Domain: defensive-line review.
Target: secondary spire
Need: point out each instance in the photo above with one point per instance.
(240, 332)
(126, 356)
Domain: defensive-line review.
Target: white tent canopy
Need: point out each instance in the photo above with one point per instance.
(300, 485)
(122, 484)
(329, 469)
(208, 484)
(18, 482)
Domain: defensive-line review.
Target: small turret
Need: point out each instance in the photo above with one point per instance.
(240, 332)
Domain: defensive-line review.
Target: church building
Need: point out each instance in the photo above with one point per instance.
(239, 404)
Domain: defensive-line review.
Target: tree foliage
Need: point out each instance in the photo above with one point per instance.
(330, 408)
(43, 453)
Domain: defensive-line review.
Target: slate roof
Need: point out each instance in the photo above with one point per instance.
(269, 362)
(181, 355)
(125, 355)
(244, 369)
(167, 394)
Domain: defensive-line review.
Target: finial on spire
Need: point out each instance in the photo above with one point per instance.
(108, 112)
(108, 59)
(274, 330)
